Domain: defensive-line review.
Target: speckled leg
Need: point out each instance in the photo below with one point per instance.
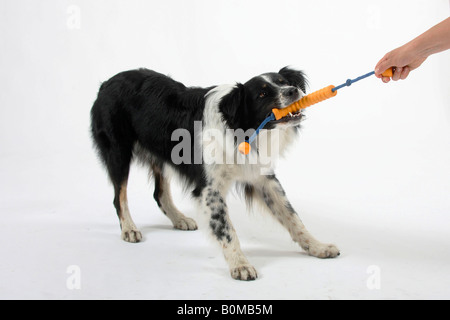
(269, 192)
(214, 207)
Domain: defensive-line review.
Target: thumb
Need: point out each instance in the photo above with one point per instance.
(382, 66)
(385, 63)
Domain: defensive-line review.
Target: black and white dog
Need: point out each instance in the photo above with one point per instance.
(135, 116)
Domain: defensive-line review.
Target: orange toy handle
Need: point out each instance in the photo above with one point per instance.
(388, 73)
(306, 101)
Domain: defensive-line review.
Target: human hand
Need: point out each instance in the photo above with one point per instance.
(403, 60)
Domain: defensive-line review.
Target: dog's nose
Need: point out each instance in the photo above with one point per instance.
(292, 91)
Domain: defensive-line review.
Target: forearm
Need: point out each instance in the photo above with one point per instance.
(434, 40)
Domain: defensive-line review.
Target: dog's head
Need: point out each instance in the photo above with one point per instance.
(247, 105)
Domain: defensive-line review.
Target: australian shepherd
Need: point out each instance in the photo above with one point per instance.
(193, 132)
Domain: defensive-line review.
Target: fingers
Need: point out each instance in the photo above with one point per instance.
(399, 60)
(397, 73)
(405, 73)
(401, 73)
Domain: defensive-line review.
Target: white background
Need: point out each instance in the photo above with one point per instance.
(370, 172)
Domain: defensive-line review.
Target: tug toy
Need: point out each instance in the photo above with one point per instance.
(306, 101)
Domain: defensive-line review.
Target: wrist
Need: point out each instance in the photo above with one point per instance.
(419, 48)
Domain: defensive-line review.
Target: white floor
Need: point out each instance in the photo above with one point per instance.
(58, 229)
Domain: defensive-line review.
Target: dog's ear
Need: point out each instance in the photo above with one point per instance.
(233, 106)
(295, 78)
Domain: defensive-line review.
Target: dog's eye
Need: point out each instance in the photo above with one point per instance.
(262, 94)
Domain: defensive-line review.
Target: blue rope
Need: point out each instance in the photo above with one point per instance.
(349, 82)
(268, 119)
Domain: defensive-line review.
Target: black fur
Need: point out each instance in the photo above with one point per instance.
(295, 78)
(146, 107)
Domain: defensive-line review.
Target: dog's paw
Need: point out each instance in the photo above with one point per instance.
(131, 235)
(323, 250)
(185, 223)
(244, 272)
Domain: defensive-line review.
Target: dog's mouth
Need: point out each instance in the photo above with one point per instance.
(291, 117)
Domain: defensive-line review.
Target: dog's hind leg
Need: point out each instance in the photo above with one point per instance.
(118, 165)
(130, 233)
(114, 139)
(117, 160)
(270, 194)
(163, 198)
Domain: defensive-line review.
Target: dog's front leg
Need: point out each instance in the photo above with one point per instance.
(214, 206)
(270, 192)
